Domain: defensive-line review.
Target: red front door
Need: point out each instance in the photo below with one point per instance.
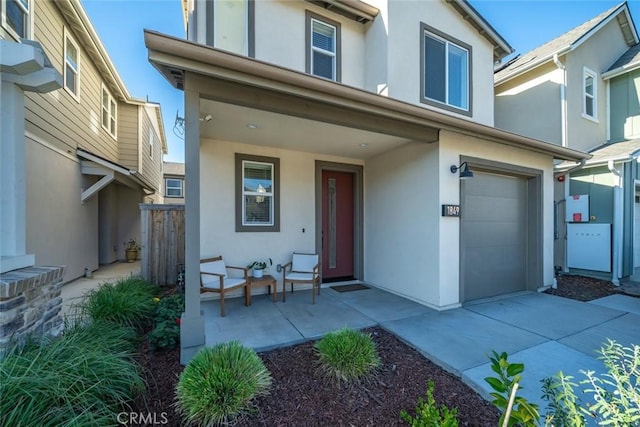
(337, 225)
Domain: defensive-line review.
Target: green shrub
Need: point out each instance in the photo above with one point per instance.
(166, 333)
(128, 302)
(428, 414)
(84, 377)
(219, 383)
(616, 394)
(347, 355)
(523, 413)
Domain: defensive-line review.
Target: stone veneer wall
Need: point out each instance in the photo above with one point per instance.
(30, 302)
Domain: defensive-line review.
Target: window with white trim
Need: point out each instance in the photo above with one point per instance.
(445, 71)
(16, 18)
(323, 47)
(173, 187)
(151, 145)
(590, 94)
(257, 188)
(109, 112)
(71, 66)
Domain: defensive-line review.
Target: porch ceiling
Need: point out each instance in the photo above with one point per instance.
(236, 124)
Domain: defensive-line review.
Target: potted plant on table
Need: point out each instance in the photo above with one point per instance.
(131, 250)
(259, 267)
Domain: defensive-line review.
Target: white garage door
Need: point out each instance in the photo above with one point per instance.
(493, 235)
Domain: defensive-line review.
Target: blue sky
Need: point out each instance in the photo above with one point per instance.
(525, 24)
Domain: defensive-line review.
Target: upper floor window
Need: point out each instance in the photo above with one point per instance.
(151, 145)
(109, 112)
(257, 193)
(173, 187)
(590, 94)
(71, 66)
(323, 47)
(230, 25)
(446, 71)
(16, 18)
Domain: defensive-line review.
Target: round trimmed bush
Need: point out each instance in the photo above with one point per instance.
(347, 355)
(219, 383)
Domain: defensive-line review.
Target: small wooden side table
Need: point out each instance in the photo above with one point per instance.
(266, 280)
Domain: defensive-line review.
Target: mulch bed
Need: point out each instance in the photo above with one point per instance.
(299, 396)
(584, 288)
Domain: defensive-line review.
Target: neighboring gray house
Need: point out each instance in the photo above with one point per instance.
(580, 91)
(83, 156)
(173, 182)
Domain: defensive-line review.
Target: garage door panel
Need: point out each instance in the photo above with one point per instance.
(492, 185)
(494, 235)
(488, 234)
(494, 209)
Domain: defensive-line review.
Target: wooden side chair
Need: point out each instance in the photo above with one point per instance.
(214, 278)
(303, 269)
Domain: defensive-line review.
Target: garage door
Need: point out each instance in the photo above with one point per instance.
(493, 235)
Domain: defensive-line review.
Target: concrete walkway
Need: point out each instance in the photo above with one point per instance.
(545, 332)
(73, 292)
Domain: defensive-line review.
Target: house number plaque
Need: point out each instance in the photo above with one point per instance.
(451, 210)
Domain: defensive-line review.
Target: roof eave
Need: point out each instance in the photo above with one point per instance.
(500, 46)
(532, 65)
(627, 68)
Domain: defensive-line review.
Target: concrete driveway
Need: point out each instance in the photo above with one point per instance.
(547, 333)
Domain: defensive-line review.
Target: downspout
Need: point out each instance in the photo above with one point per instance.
(563, 139)
(617, 224)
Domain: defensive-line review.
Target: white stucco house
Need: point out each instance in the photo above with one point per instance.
(338, 127)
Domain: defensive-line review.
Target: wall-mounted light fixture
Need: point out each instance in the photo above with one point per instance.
(206, 118)
(465, 173)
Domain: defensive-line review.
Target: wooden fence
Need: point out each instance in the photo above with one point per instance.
(162, 242)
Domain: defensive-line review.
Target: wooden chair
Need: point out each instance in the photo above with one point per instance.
(303, 269)
(214, 278)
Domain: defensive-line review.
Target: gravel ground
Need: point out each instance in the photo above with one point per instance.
(299, 397)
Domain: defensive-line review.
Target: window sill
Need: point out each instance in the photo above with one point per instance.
(115, 137)
(73, 95)
(592, 119)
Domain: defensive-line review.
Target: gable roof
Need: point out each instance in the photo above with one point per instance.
(568, 42)
(614, 151)
(629, 61)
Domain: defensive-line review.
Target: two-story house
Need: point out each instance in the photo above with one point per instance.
(85, 155)
(578, 91)
(173, 182)
(344, 128)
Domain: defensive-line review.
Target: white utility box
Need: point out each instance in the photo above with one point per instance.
(589, 246)
(577, 208)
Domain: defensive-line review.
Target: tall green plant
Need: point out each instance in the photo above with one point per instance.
(84, 377)
(615, 395)
(522, 412)
(563, 408)
(219, 383)
(127, 302)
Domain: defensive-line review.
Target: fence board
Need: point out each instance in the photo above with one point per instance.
(162, 242)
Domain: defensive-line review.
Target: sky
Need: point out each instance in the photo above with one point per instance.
(524, 24)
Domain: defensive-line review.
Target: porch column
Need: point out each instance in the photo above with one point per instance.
(24, 67)
(192, 336)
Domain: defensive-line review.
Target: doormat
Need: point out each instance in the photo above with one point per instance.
(349, 288)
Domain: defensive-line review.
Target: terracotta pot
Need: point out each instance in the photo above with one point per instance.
(131, 255)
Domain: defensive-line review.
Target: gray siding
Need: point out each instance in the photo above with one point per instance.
(128, 116)
(625, 106)
(151, 162)
(57, 117)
